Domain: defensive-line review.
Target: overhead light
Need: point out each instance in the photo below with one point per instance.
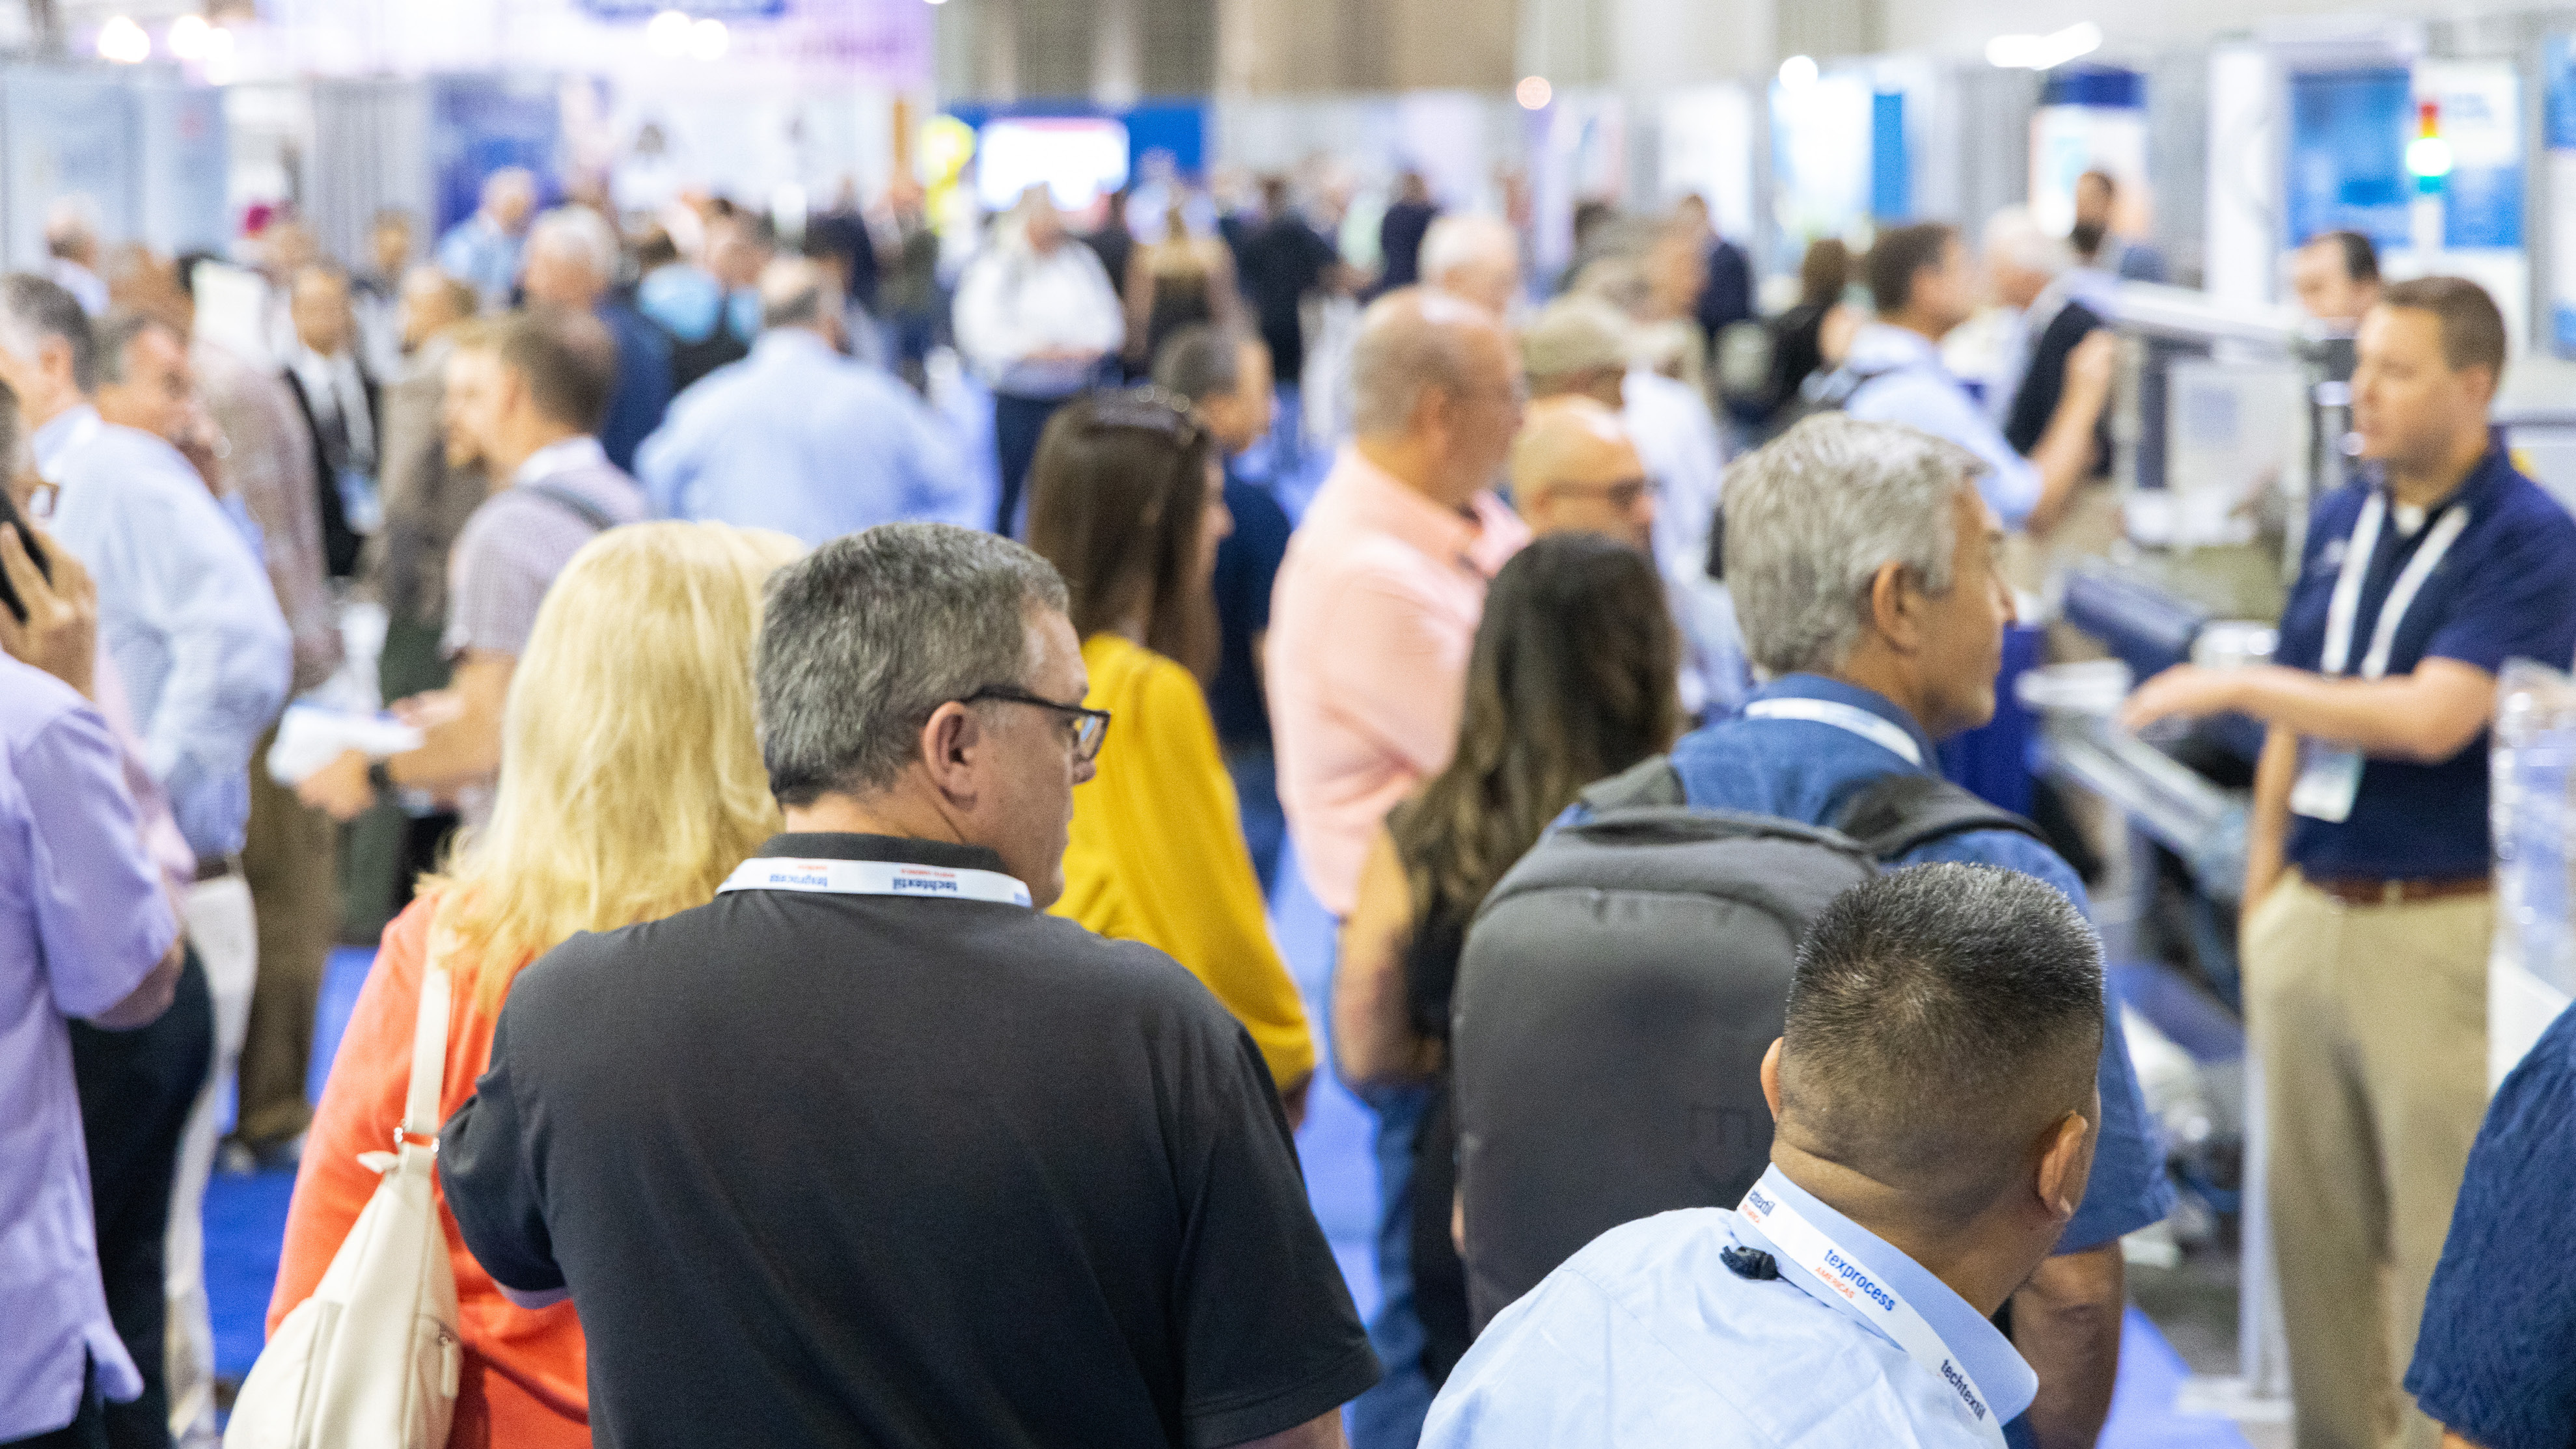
(123, 41)
(708, 40)
(1798, 72)
(668, 33)
(1533, 93)
(190, 37)
(2044, 52)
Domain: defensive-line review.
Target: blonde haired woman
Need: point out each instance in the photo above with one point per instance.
(631, 785)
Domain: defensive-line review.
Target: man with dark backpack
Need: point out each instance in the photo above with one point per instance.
(1862, 562)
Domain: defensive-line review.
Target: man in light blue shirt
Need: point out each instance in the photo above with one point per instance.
(1924, 285)
(799, 438)
(1863, 568)
(1935, 1107)
(187, 612)
(483, 249)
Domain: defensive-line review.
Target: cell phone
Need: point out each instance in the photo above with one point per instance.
(10, 516)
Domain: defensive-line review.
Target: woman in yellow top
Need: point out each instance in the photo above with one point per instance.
(1127, 500)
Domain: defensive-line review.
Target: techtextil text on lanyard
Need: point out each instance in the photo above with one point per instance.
(875, 878)
(1806, 1246)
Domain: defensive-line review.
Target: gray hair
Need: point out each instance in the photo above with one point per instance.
(795, 292)
(1462, 239)
(2016, 236)
(33, 308)
(1812, 516)
(116, 333)
(1409, 342)
(1199, 362)
(1575, 335)
(71, 227)
(581, 232)
(863, 639)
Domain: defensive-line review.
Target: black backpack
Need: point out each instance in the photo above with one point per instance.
(1616, 996)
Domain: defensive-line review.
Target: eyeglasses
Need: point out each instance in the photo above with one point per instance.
(1622, 496)
(1090, 726)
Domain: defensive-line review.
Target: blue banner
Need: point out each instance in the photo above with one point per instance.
(2347, 165)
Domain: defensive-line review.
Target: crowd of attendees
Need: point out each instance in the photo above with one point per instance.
(714, 643)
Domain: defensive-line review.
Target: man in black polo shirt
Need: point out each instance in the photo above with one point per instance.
(870, 1151)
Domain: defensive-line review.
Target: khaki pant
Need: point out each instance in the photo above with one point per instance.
(287, 859)
(2371, 1022)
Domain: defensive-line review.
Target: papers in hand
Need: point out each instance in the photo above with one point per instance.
(313, 735)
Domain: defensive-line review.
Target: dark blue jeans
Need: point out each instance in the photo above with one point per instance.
(1390, 1414)
(1017, 424)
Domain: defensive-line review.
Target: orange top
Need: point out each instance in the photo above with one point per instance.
(525, 1385)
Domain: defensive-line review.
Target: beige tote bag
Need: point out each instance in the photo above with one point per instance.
(371, 1360)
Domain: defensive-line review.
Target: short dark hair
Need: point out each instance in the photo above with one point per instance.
(863, 639)
(116, 333)
(1899, 256)
(1199, 362)
(1941, 1017)
(34, 308)
(2359, 254)
(568, 358)
(2472, 328)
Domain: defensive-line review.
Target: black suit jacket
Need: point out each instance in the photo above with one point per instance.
(339, 541)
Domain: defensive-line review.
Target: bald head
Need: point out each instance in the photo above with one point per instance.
(1436, 390)
(1474, 259)
(1574, 470)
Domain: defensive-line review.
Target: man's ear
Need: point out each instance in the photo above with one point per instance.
(2064, 1159)
(950, 739)
(1771, 1078)
(1893, 602)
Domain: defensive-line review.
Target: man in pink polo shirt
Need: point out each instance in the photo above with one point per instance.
(1377, 602)
(1370, 628)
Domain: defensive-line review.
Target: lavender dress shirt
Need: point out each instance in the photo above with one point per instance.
(83, 920)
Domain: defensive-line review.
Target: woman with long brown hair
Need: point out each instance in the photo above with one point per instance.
(1127, 500)
(1573, 679)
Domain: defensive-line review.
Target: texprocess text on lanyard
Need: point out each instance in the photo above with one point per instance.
(1806, 1245)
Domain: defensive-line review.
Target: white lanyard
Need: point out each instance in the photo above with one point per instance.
(1880, 1304)
(2346, 602)
(874, 878)
(1843, 717)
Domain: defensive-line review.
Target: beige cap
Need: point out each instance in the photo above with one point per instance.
(1573, 335)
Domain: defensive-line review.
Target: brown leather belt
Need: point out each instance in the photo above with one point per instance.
(2364, 891)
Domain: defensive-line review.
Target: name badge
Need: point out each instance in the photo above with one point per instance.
(2329, 781)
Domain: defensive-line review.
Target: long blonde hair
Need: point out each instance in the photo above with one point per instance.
(631, 782)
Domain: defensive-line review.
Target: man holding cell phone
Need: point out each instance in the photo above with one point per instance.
(2368, 896)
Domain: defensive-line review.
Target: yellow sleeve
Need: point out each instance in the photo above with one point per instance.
(1195, 894)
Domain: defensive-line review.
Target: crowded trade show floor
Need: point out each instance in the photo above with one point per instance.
(246, 1216)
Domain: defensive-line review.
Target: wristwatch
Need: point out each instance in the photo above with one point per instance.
(380, 778)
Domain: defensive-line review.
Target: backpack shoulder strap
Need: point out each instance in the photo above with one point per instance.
(1902, 812)
(562, 497)
(1649, 782)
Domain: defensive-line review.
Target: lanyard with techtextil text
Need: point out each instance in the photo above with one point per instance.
(1844, 717)
(2346, 601)
(874, 878)
(1806, 1245)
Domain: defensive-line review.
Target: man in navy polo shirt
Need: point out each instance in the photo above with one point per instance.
(1862, 563)
(2367, 899)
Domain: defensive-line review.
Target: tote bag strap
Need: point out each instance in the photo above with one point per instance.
(428, 1046)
